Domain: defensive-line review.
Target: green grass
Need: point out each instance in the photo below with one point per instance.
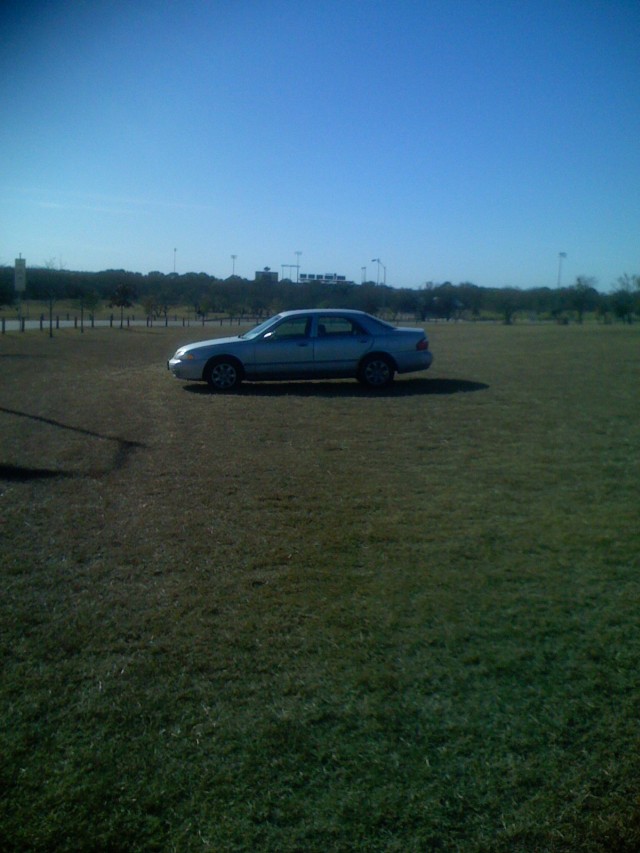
(305, 617)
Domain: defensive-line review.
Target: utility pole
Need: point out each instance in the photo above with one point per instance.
(561, 257)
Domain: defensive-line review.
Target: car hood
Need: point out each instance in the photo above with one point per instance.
(214, 342)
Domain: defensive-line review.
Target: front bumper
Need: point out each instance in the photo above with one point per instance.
(185, 369)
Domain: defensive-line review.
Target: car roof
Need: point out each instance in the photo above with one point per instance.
(324, 312)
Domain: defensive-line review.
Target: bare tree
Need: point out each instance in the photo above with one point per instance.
(122, 298)
(583, 295)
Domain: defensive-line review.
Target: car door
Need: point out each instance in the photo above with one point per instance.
(286, 350)
(339, 344)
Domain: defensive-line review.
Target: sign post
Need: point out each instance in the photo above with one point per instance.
(20, 284)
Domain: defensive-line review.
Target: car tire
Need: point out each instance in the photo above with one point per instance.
(223, 374)
(376, 371)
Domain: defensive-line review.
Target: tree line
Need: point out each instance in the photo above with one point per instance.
(206, 296)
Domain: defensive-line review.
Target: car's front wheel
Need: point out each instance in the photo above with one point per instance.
(223, 374)
(376, 371)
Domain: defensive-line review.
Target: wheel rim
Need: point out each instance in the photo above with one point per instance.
(224, 376)
(377, 373)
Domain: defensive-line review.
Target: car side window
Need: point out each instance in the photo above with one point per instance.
(336, 326)
(296, 327)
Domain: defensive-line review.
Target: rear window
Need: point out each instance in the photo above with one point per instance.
(381, 325)
(333, 325)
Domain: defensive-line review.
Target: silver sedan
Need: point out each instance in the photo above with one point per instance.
(313, 344)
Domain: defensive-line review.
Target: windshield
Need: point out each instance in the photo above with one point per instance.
(259, 329)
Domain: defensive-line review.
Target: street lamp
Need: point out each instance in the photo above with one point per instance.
(364, 274)
(174, 261)
(233, 264)
(380, 264)
(561, 257)
(297, 254)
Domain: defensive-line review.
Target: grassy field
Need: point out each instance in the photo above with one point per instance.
(305, 617)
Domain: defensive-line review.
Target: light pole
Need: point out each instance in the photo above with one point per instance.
(233, 264)
(380, 264)
(174, 261)
(364, 274)
(297, 254)
(561, 257)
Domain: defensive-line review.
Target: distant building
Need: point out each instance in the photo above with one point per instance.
(267, 276)
(324, 278)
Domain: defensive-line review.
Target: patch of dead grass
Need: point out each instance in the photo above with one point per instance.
(308, 617)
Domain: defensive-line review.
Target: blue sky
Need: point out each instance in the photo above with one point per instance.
(458, 140)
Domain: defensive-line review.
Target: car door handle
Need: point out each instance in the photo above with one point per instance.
(303, 344)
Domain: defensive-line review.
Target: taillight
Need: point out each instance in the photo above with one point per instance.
(423, 344)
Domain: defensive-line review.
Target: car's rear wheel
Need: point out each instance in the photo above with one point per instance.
(223, 374)
(376, 371)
